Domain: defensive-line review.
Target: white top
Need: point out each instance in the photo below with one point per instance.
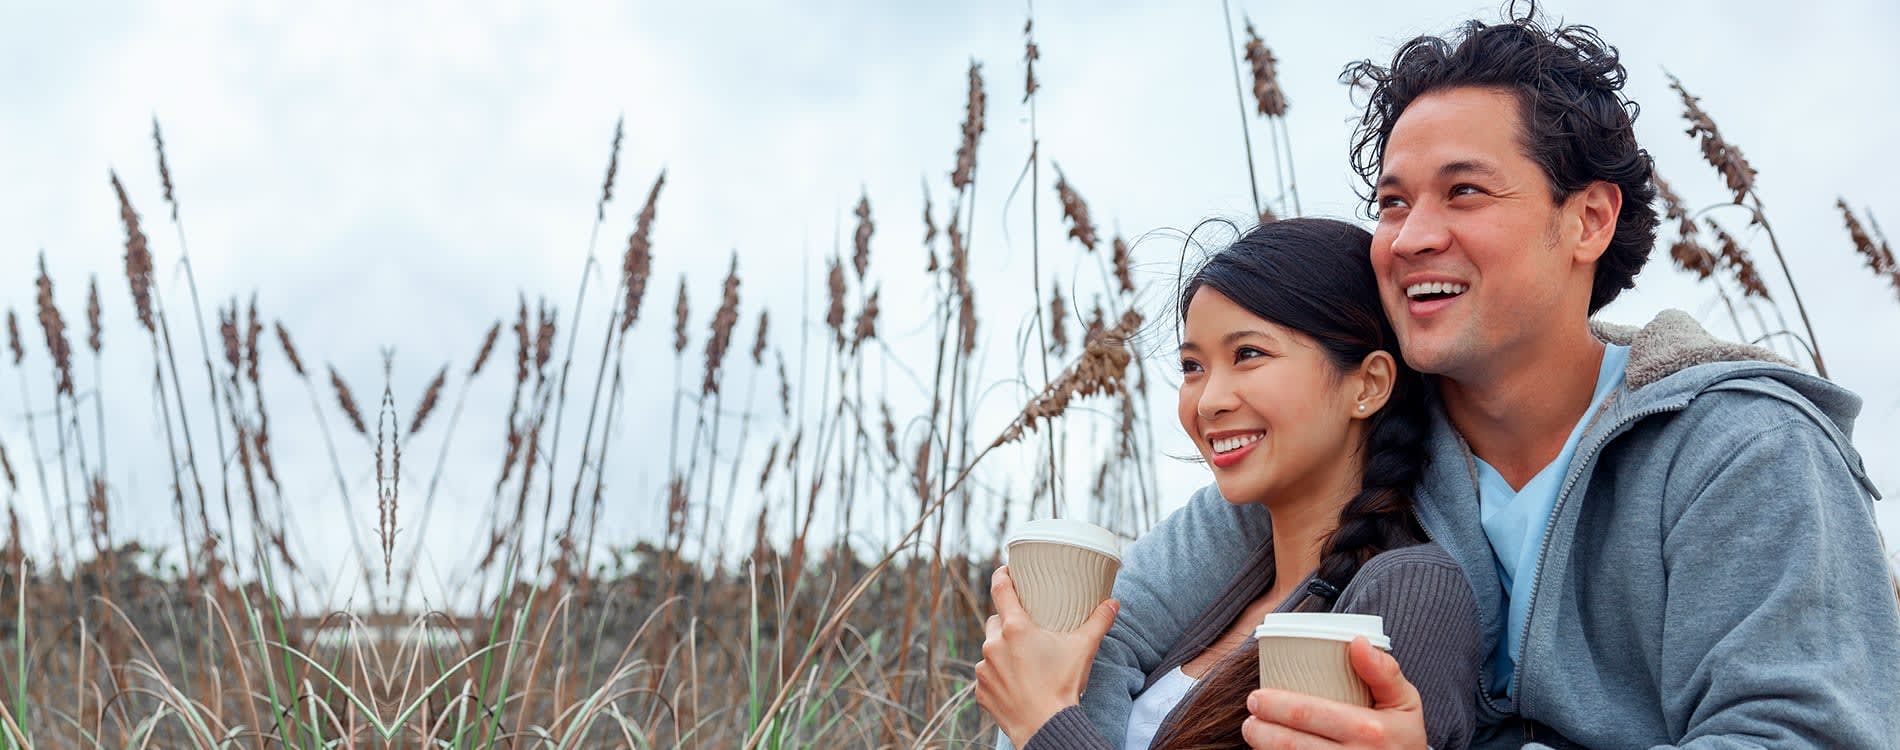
(1154, 705)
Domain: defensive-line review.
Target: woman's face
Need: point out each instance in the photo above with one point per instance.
(1271, 415)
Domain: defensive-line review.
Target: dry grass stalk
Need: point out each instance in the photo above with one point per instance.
(861, 240)
(680, 311)
(138, 257)
(1737, 260)
(1880, 258)
(1076, 211)
(429, 397)
(13, 338)
(1030, 55)
(348, 401)
(613, 166)
(93, 341)
(1124, 274)
(488, 345)
(164, 170)
(965, 171)
(6, 470)
(1102, 370)
(867, 322)
(638, 265)
(1719, 153)
(54, 325)
(1058, 317)
(1266, 77)
(771, 457)
(724, 320)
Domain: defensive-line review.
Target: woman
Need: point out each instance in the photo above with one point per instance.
(1294, 393)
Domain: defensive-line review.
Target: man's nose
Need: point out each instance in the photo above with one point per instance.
(1424, 231)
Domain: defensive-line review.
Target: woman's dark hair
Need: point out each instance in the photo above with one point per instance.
(1314, 276)
(1572, 118)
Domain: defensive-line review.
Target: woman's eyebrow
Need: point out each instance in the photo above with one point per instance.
(1229, 339)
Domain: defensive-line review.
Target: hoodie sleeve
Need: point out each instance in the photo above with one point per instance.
(1780, 626)
(1168, 578)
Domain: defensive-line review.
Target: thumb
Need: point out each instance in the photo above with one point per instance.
(1381, 673)
(1102, 618)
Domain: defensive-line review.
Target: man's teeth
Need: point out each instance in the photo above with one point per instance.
(1225, 445)
(1416, 291)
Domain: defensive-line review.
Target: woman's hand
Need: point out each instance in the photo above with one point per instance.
(1029, 674)
(1285, 720)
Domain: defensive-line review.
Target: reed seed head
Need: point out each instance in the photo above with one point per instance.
(1736, 258)
(138, 257)
(233, 344)
(290, 350)
(784, 387)
(1030, 55)
(724, 320)
(1266, 77)
(1879, 256)
(544, 338)
(930, 231)
(1124, 274)
(1058, 318)
(1266, 215)
(679, 320)
(867, 322)
(613, 165)
(1075, 211)
(834, 285)
(758, 344)
(1102, 370)
(429, 397)
(1719, 153)
(966, 321)
(861, 240)
(965, 172)
(638, 265)
(164, 170)
(348, 402)
(252, 328)
(1687, 251)
(765, 474)
(890, 431)
(98, 517)
(92, 314)
(524, 341)
(920, 469)
(54, 325)
(13, 338)
(488, 345)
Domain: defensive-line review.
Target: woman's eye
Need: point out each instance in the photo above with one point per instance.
(1189, 367)
(1390, 201)
(1247, 352)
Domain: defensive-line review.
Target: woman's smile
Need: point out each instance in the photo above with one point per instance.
(1230, 447)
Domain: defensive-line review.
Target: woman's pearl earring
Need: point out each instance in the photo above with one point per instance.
(1362, 407)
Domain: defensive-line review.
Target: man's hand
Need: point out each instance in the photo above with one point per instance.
(1029, 674)
(1283, 720)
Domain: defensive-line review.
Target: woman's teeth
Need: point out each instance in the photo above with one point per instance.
(1435, 289)
(1225, 445)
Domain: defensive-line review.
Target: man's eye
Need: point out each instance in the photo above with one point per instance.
(1465, 190)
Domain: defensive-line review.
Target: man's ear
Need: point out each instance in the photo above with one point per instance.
(1596, 207)
(1372, 384)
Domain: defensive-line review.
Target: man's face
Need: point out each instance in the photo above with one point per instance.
(1469, 255)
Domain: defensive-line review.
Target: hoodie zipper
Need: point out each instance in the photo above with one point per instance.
(1556, 511)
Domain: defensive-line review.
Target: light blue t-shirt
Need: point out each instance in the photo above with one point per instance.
(1515, 520)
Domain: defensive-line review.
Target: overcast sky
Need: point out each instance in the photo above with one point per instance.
(393, 176)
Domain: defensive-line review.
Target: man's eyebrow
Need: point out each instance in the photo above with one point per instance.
(1229, 339)
(1448, 170)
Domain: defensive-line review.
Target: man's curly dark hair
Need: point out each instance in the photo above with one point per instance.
(1572, 118)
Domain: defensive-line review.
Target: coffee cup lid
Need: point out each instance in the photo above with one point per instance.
(1325, 625)
(1071, 532)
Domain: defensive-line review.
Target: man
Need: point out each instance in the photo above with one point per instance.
(1670, 538)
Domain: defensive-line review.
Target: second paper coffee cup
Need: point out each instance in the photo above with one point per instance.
(1063, 569)
(1306, 652)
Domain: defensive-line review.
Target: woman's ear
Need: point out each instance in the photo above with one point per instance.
(1370, 385)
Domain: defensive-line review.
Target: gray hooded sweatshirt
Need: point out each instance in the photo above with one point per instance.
(1711, 577)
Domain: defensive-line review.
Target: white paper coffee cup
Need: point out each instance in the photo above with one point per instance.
(1306, 652)
(1063, 569)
